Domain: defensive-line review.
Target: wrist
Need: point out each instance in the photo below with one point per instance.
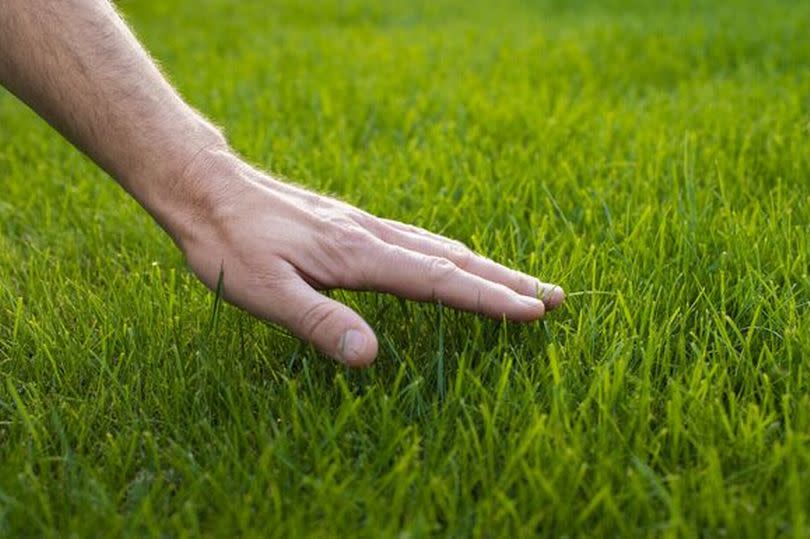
(191, 186)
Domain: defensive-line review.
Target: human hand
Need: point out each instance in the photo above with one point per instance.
(276, 244)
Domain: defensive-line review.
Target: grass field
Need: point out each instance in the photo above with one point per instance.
(652, 158)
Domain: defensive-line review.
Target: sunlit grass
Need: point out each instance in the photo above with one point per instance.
(652, 159)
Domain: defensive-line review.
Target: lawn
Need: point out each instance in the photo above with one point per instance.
(652, 158)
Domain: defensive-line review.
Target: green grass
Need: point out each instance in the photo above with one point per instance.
(654, 159)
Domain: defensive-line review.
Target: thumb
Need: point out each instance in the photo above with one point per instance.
(332, 327)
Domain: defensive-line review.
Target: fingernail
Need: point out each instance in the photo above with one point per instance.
(551, 295)
(352, 345)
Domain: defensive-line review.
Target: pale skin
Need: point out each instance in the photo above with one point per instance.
(275, 245)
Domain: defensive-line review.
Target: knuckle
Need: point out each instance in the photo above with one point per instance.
(365, 220)
(440, 269)
(460, 254)
(349, 238)
(345, 237)
(314, 200)
(344, 248)
(313, 319)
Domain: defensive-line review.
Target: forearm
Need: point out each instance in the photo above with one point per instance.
(78, 65)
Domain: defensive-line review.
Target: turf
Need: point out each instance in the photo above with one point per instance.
(652, 158)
